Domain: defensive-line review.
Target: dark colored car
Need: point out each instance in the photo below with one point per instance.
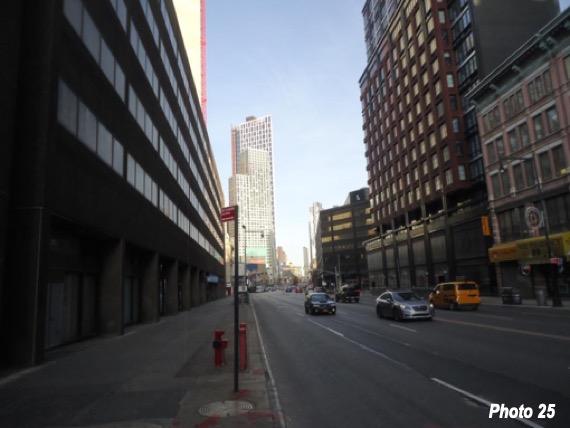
(511, 296)
(319, 303)
(402, 305)
(348, 293)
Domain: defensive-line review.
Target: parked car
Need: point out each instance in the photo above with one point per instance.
(511, 296)
(456, 295)
(348, 293)
(319, 303)
(403, 305)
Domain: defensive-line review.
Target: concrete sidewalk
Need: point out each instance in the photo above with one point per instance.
(155, 375)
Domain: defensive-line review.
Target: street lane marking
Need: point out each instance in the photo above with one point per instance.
(510, 330)
(403, 328)
(496, 316)
(481, 400)
(363, 347)
(374, 333)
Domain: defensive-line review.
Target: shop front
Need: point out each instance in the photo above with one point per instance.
(534, 264)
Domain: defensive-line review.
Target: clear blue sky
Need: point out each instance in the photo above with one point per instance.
(298, 61)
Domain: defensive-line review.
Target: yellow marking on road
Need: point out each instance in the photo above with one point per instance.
(510, 330)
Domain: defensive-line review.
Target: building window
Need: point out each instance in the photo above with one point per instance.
(559, 160)
(540, 86)
(491, 154)
(545, 166)
(461, 173)
(567, 66)
(538, 127)
(496, 183)
(552, 119)
(448, 177)
(518, 176)
(524, 135)
(455, 123)
(513, 142)
(450, 80)
(446, 156)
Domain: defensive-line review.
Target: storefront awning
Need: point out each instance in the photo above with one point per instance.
(532, 250)
(503, 253)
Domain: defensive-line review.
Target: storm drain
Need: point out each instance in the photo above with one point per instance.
(225, 408)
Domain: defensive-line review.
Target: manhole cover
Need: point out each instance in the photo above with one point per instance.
(225, 408)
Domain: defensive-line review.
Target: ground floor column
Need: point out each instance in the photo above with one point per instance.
(150, 288)
(110, 313)
(171, 292)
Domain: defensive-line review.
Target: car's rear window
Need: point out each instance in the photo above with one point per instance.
(467, 286)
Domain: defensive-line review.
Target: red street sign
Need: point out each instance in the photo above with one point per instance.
(556, 260)
(228, 213)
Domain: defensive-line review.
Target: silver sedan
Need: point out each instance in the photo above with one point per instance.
(403, 305)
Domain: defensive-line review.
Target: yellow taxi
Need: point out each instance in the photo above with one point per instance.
(456, 295)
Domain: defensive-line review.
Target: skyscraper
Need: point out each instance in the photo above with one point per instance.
(252, 189)
(424, 157)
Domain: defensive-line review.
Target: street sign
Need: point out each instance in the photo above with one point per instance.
(228, 213)
(555, 260)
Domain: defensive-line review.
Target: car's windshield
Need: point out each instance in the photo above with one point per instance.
(320, 298)
(467, 286)
(406, 297)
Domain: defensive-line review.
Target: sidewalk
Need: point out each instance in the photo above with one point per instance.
(155, 375)
(526, 302)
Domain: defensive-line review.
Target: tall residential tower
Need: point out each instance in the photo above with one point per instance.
(252, 189)
(424, 158)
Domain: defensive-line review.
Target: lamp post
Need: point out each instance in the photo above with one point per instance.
(556, 301)
(245, 254)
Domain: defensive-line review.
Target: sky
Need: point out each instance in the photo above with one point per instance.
(298, 61)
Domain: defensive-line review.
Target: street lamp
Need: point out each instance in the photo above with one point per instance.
(556, 301)
(245, 254)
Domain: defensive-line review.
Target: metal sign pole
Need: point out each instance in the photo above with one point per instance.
(236, 305)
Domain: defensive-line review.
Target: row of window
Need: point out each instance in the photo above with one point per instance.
(512, 224)
(80, 121)
(537, 88)
(523, 174)
(543, 124)
(83, 24)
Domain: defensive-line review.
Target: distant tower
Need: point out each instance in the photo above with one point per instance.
(252, 189)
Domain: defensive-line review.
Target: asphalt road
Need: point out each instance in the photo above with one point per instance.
(354, 369)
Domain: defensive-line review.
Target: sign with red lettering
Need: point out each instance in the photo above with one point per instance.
(228, 213)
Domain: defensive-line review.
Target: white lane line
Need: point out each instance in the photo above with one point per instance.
(509, 330)
(403, 328)
(364, 347)
(271, 387)
(496, 316)
(481, 400)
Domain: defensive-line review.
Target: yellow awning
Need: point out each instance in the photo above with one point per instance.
(532, 250)
(503, 253)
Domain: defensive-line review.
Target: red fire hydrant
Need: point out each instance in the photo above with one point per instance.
(242, 346)
(219, 346)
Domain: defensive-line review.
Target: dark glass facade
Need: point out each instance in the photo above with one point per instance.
(112, 213)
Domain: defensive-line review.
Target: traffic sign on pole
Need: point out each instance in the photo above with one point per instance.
(228, 213)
